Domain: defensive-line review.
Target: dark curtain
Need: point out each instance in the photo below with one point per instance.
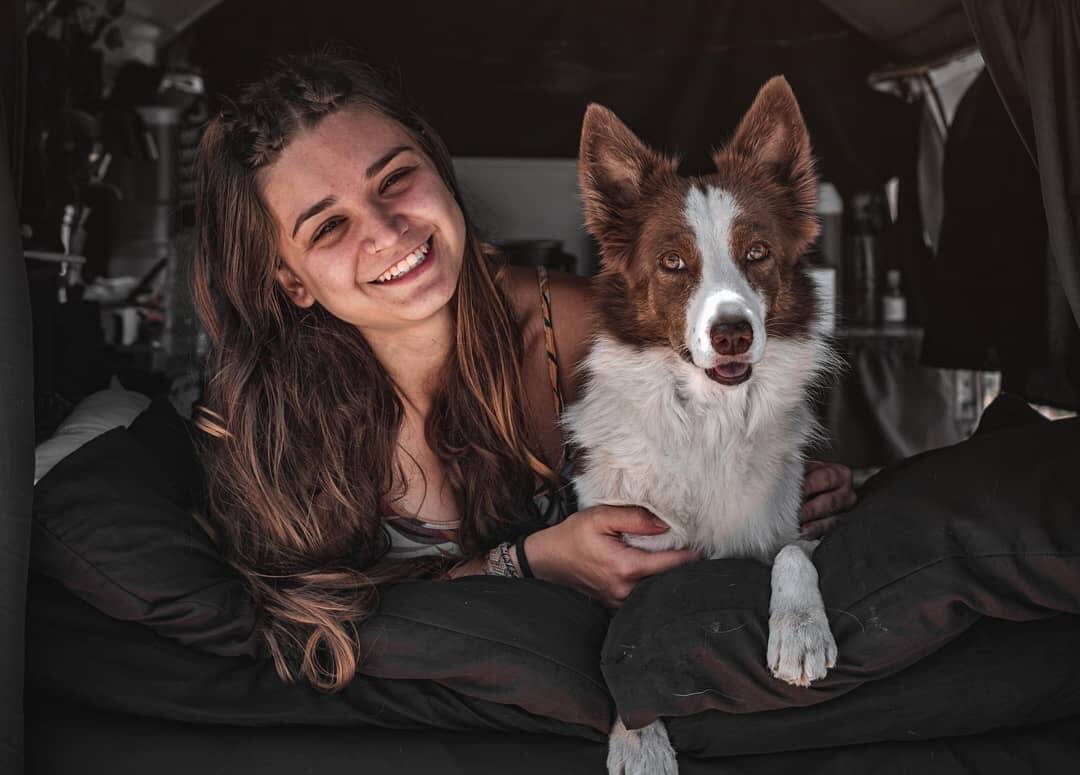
(992, 246)
(1032, 50)
(16, 404)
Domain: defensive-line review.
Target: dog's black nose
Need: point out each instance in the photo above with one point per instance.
(731, 337)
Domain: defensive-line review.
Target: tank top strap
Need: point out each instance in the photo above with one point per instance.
(549, 338)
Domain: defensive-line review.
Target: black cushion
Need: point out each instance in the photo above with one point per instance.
(76, 653)
(112, 524)
(989, 527)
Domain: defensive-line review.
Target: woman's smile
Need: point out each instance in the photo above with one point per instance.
(412, 266)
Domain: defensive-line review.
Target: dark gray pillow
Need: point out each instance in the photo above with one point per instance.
(112, 524)
(77, 654)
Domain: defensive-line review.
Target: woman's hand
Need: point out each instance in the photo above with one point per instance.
(827, 490)
(586, 552)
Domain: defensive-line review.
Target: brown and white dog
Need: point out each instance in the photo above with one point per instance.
(696, 387)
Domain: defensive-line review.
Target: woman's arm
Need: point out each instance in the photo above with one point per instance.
(586, 552)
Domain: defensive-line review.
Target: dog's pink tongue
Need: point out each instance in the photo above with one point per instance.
(731, 370)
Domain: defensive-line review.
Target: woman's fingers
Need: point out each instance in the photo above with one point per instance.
(828, 489)
(631, 519)
(822, 477)
(818, 528)
(827, 504)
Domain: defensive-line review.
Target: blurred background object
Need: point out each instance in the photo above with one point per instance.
(896, 98)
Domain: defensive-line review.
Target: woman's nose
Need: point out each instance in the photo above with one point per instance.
(383, 229)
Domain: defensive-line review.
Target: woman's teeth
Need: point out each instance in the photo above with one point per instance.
(405, 265)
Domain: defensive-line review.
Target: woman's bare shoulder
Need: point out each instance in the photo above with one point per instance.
(521, 288)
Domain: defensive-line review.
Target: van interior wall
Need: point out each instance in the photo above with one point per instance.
(16, 395)
(512, 79)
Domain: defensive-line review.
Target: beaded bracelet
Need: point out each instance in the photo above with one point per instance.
(500, 563)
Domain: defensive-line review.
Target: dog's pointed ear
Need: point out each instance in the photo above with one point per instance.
(613, 164)
(773, 135)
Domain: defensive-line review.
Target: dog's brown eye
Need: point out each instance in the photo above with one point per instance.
(757, 252)
(672, 262)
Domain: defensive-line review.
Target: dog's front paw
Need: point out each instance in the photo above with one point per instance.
(645, 751)
(801, 646)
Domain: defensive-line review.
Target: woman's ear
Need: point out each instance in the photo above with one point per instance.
(294, 287)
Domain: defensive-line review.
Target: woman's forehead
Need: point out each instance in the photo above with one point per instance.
(349, 135)
(336, 152)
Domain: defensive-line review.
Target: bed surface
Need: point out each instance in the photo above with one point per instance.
(63, 739)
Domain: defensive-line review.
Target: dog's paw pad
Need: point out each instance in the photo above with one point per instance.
(801, 647)
(645, 751)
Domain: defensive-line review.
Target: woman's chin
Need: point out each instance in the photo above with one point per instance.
(423, 303)
(429, 299)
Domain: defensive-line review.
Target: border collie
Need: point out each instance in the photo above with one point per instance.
(696, 399)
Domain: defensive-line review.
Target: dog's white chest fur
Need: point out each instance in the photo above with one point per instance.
(723, 467)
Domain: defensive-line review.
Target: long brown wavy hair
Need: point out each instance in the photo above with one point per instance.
(302, 420)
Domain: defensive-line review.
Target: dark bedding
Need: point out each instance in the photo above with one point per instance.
(77, 652)
(111, 697)
(951, 592)
(63, 739)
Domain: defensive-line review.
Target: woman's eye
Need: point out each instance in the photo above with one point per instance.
(672, 262)
(326, 228)
(393, 178)
(757, 252)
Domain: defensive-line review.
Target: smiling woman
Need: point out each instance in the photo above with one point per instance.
(366, 361)
(384, 394)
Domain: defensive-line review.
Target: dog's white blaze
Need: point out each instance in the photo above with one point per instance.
(723, 291)
(699, 324)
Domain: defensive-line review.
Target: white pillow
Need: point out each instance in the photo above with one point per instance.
(91, 417)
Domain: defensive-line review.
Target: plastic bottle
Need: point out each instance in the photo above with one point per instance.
(893, 303)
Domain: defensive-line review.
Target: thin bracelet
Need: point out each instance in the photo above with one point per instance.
(523, 561)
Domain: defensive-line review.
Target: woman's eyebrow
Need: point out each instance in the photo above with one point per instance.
(385, 159)
(369, 173)
(312, 211)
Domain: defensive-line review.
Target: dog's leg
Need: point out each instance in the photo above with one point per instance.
(801, 645)
(645, 751)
